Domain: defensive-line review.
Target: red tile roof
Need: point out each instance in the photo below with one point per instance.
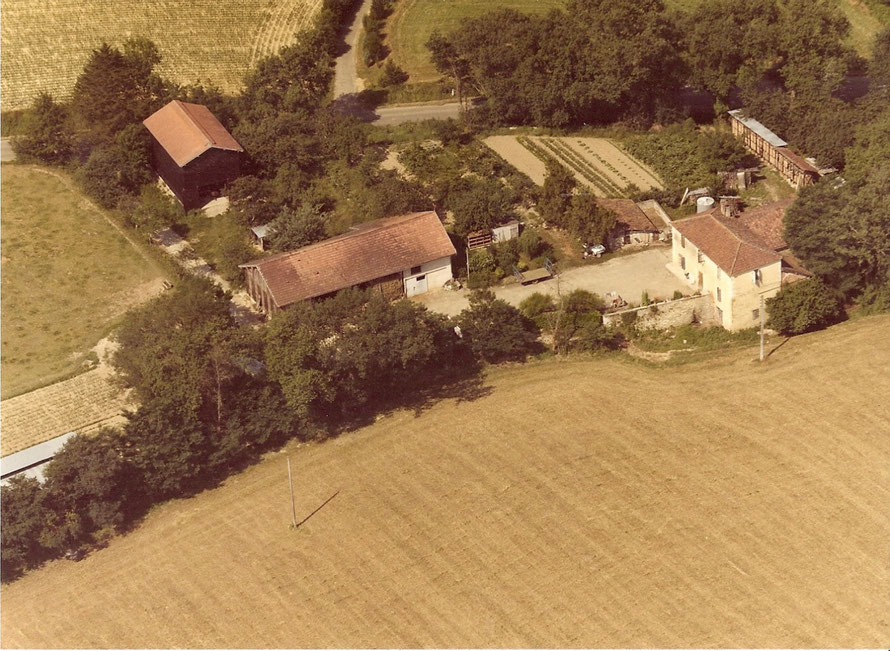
(766, 221)
(368, 252)
(727, 242)
(186, 131)
(629, 214)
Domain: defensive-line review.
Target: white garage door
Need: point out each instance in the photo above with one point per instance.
(416, 285)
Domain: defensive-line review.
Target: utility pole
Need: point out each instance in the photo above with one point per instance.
(293, 504)
(762, 323)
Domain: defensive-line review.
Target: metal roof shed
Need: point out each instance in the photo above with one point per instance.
(758, 128)
(30, 461)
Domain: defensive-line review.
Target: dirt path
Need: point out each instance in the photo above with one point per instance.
(242, 307)
(346, 79)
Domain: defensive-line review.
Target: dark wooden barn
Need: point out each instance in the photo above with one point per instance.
(192, 152)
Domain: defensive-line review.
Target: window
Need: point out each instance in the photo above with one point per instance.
(755, 314)
(683, 243)
(701, 257)
(758, 276)
(415, 270)
(682, 262)
(719, 296)
(718, 273)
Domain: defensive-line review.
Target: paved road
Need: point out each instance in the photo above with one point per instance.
(416, 113)
(629, 275)
(6, 152)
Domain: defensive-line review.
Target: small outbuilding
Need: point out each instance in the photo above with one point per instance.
(635, 223)
(397, 256)
(192, 152)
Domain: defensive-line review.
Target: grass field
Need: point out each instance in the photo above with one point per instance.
(45, 44)
(68, 274)
(412, 22)
(585, 503)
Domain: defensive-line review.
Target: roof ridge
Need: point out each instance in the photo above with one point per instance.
(181, 106)
(391, 222)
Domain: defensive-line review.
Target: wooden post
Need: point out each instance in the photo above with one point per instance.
(762, 322)
(293, 504)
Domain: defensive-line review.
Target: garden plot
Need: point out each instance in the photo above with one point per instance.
(596, 162)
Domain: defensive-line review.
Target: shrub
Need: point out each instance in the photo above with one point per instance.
(537, 304)
(805, 306)
(392, 75)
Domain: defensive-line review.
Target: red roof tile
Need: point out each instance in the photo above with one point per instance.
(370, 251)
(629, 214)
(186, 131)
(727, 242)
(766, 222)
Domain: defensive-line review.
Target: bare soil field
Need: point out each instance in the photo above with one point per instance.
(46, 44)
(580, 503)
(596, 163)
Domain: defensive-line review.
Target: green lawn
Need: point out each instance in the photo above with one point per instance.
(67, 276)
(413, 21)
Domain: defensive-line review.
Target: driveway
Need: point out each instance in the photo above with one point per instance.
(346, 81)
(628, 275)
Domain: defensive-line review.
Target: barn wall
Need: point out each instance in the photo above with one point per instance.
(437, 272)
(168, 170)
(212, 170)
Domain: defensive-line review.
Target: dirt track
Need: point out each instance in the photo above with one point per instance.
(564, 504)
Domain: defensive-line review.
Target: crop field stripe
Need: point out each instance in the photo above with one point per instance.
(585, 172)
(644, 169)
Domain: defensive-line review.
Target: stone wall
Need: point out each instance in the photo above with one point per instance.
(668, 314)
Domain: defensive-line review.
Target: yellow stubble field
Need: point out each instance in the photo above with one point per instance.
(581, 503)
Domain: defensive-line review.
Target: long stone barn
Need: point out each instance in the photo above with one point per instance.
(397, 256)
(772, 150)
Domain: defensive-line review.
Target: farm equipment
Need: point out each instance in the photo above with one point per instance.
(595, 250)
(535, 275)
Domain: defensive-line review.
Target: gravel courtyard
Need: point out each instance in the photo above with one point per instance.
(628, 275)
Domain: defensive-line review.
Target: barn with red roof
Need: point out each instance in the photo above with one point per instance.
(192, 152)
(396, 256)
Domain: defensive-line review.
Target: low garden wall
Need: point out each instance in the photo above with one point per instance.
(666, 314)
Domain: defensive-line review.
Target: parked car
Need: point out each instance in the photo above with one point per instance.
(595, 250)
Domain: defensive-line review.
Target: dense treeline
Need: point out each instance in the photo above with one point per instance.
(214, 396)
(602, 61)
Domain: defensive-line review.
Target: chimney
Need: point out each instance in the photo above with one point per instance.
(730, 206)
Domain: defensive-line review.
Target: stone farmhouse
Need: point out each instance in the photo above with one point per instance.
(192, 152)
(772, 150)
(397, 256)
(737, 260)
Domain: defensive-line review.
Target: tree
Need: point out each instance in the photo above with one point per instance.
(117, 88)
(842, 234)
(392, 75)
(294, 229)
(46, 136)
(495, 330)
(24, 514)
(448, 61)
(588, 220)
(482, 205)
(556, 195)
(117, 169)
(91, 478)
(804, 306)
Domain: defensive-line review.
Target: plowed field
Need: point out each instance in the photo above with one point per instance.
(46, 44)
(587, 503)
